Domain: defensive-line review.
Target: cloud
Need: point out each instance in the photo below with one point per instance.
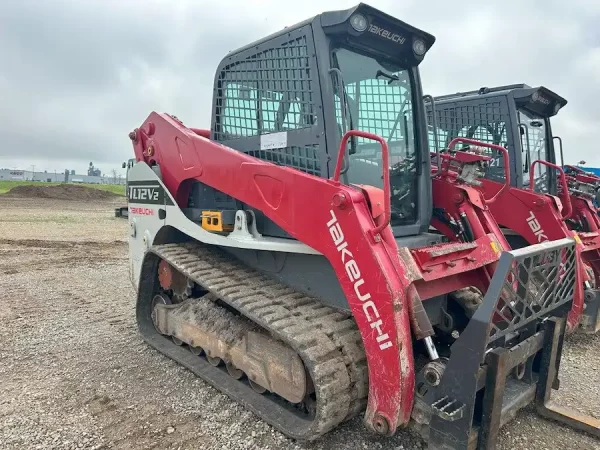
(76, 77)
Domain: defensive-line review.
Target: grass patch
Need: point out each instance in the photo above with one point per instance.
(7, 185)
(53, 219)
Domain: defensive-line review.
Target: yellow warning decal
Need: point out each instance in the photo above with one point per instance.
(577, 238)
(495, 247)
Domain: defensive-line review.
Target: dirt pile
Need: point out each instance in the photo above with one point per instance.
(60, 192)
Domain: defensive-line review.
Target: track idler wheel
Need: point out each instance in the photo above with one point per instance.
(173, 280)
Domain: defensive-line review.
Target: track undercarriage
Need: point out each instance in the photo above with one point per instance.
(298, 364)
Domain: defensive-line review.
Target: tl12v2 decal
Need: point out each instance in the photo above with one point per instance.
(147, 193)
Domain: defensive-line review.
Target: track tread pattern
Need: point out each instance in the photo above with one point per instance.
(328, 341)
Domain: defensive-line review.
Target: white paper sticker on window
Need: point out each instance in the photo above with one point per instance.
(273, 140)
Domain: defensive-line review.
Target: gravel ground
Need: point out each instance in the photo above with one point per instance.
(76, 375)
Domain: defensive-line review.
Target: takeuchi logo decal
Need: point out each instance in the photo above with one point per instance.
(386, 34)
(536, 227)
(536, 97)
(355, 277)
(142, 211)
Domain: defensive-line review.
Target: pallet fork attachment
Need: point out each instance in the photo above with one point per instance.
(512, 346)
(550, 366)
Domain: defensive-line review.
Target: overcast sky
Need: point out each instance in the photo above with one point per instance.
(77, 76)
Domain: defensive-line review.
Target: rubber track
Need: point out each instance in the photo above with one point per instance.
(327, 340)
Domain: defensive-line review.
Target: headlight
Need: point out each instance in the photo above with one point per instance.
(557, 108)
(358, 22)
(419, 47)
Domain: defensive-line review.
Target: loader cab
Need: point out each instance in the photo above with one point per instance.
(516, 117)
(290, 97)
